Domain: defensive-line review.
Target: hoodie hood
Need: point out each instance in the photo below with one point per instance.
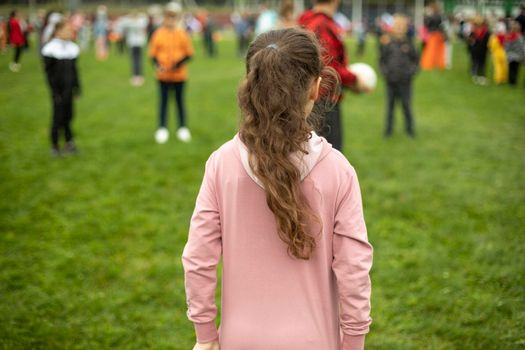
(317, 148)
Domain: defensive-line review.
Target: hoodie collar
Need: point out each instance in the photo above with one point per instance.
(317, 148)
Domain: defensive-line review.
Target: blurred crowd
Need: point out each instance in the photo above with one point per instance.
(167, 32)
(496, 37)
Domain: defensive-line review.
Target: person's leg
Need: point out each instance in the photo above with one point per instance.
(163, 102)
(133, 62)
(139, 61)
(332, 127)
(135, 57)
(405, 91)
(513, 72)
(68, 116)
(481, 66)
(390, 103)
(473, 65)
(209, 42)
(500, 69)
(243, 44)
(179, 99)
(58, 118)
(504, 70)
(18, 53)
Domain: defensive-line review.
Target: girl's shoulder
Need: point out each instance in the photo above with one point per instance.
(336, 164)
(60, 49)
(224, 155)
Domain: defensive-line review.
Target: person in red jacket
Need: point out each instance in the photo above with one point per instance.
(319, 20)
(16, 39)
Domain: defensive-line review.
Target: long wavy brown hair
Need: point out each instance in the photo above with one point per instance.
(281, 68)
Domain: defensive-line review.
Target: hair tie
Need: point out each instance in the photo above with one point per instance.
(273, 46)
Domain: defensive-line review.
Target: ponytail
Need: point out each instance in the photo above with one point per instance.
(281, 67)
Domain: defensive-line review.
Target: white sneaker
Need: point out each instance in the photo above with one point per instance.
(162, 135)
(184, 134)
(14, 67)
(136, 81)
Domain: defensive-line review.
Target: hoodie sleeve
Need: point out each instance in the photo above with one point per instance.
(200, 258)
(351, 264)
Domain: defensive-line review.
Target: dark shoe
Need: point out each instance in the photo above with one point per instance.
(70, 148)
(55, 152)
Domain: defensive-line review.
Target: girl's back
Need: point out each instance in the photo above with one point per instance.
(287, 284)
(273, 301)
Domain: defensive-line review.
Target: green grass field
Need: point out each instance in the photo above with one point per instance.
(90, 245)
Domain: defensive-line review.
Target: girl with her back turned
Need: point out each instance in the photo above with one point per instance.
(60, 61)
(283, 210)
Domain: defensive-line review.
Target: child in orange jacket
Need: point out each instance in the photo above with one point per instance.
(171, 48)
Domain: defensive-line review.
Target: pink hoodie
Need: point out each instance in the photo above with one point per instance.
(271, 301)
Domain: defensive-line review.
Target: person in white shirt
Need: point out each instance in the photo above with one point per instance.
(134, 29)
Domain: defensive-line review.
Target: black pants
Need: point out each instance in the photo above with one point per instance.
(331, 127)
(18, 53)
(399, 91)
(477, 68)
(136, 61)
(243, 42)
(62, 116)
(165, 87)
(209, 44)
(514, 68)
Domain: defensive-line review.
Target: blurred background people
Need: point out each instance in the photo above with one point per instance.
(84, 34)
(521, 19)
(360, 30)
(286, 15)
(170, 49)
(267, 19)
(244, 28)
(478, 46)
(343, 22)
(49, 27)
(3, 35)
(514, 47)
(17, 40)
(398, 63)
(76, 22)
(60, 62)
(433, 55)
(497, 51)
(319, 20)
(100, 28)
(134, 30)
(208, 29)
(448, 30)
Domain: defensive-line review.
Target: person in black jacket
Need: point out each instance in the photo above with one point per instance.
(60, 61)
(398, 63)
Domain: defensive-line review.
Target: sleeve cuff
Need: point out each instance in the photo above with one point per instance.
(206, 332)
(353, 342)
